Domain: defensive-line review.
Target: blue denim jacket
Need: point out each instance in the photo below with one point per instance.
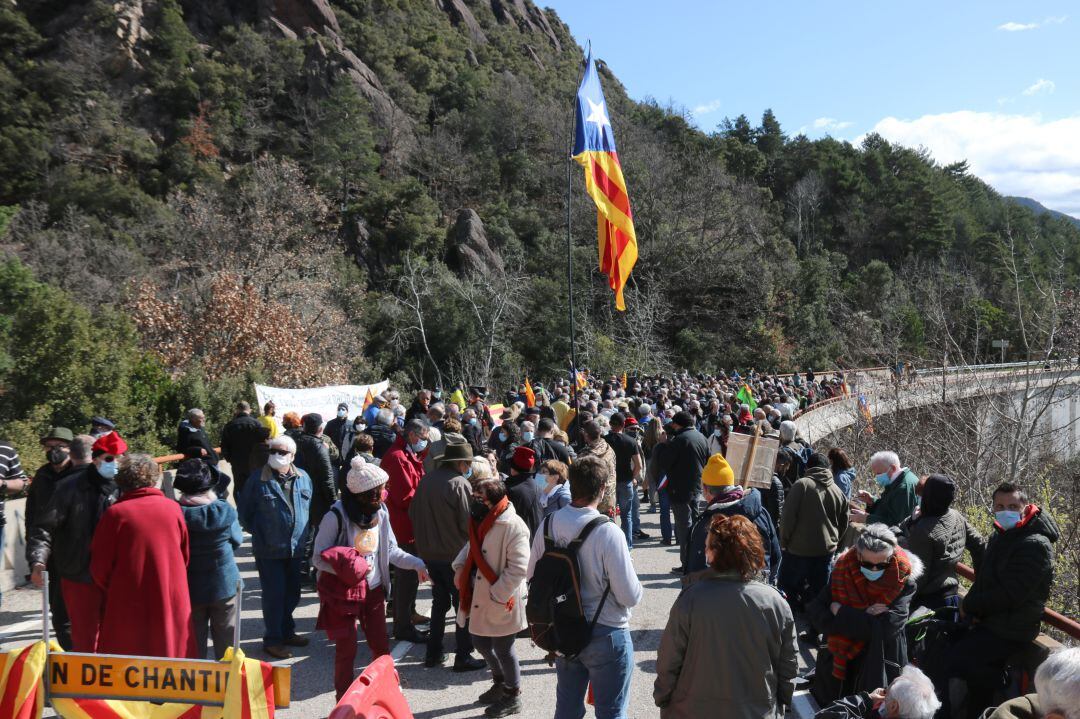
(277, 528)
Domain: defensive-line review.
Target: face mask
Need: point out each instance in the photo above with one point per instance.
(474, 421)
(279, 461)
(1007, 518)
(478, 510)
(502, 436)
(56, 455)
(418, 446)
(882, 479)
(359, 426)
(527, 436)
(468, 473)
(872, 574)
(107, 469)
(541, 481)
(342, 412)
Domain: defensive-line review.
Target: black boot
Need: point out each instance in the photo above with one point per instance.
(509, 704)
(494, 694)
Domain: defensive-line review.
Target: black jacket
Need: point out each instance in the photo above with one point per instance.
(335, 431)
(313, 457)
(547, 448)
(189, 437)
(856, 706)
(67, 525)
(1014, 578)
(523, 493)
(238, 437)
(41, 490)
(750, 506)
(384, 438)
(682, 462)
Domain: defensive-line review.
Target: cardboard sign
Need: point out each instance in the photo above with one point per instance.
(323, 400)
(752, 459)
(189, 681)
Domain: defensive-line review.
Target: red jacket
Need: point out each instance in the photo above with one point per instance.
(404, 469)
(341, 592)
(138, 558)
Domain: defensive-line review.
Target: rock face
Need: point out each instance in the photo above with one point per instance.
(303, 14)
(527, 17)
(467, 248)
(130, 33)
(460, 14)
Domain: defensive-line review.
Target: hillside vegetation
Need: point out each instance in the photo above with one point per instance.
(197, 194)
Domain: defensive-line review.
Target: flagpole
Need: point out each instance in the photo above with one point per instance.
(570, 276)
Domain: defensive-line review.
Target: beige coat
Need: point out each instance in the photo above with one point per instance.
(506, 548)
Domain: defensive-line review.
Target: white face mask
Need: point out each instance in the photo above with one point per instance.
(279, 461)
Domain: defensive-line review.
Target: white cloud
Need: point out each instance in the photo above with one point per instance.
(1040, 85)
(1018, 26)
(708, 108)
(829, 124)
(1016, 154)
(1022, 26)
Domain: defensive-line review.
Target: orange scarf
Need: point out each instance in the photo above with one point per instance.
(476, 559)
(850, 588)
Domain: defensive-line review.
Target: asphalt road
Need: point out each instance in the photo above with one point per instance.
(437, 692)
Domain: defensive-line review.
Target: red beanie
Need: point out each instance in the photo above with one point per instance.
(524, 458)
(111, 443)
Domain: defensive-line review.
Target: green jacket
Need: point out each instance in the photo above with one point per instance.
(815, 515)
(1013, 582)
(1025, 707)
(897, 502)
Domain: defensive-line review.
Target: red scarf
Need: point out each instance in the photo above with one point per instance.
(476, 559)
(850, 588)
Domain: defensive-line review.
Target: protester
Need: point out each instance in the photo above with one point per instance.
(490, 577)
(682, 462)
(606, 571)
(436, 447)
(354, 548)
(58, 465)
(628, 472)
(728, 498)
(64, 534)
(336, 430)
(939, 535)
(910, 696)
(554, 492)
(1005, 602)
(382, 432)
(522, 490)
(404, 465)
(12, 481)
(898, 498)
(238, 438)
(362, 446)
(138, 560)
(191, 435)
(814, 520)
(1057, 684)
(595, 446)
(843, 470)
(862, 613)
(796, 451)
(268, 420)
(546, 445)
(213, 578)
(440, 518)
(274, 508)
(656, 478)
(101, 426)
(727, 620)
(292, 426)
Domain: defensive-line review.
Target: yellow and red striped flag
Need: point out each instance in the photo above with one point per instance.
(22, 693)
(594, 149)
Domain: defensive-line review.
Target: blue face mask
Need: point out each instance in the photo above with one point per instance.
(468, 473)
(419, 446)
(474, 421)
(872, 574)
(108, 469)
(502, 436)
(527, 436)
(541, 481)
(882, 479)
(1007, 518)
(342, 412)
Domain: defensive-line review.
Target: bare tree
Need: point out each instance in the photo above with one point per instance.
(804, 201)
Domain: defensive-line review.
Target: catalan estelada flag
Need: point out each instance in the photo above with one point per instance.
(594, 148)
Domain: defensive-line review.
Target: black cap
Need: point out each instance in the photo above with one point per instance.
(312, 422)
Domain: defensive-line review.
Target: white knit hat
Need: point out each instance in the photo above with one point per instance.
(363, 476)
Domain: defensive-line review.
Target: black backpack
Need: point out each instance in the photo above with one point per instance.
(556, 617)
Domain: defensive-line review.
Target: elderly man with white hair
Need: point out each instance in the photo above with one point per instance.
(898, 498)
(274, 507)
(910, 696)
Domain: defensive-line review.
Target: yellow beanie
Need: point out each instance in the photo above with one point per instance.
(717, 472)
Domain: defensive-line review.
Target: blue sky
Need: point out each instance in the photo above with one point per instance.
(995, 83)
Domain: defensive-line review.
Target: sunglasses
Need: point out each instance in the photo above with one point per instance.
(281, 452)
(871, 565)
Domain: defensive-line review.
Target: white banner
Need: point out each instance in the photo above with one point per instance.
(323, 400)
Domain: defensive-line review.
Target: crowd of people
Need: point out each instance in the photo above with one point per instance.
(495, 511)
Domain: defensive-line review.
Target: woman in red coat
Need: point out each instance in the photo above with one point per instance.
(138, 559)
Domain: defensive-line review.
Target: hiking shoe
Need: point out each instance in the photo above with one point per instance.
(296, 641)
(469, 664)
(495, 694)
(278, 652)
(509, 704)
